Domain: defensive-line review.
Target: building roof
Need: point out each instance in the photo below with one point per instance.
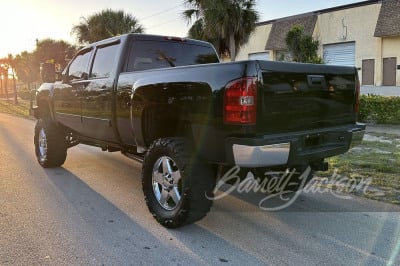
(281, 27)
(327, 10)
(389, 19)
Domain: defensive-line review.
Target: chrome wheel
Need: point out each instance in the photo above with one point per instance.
(42, 141)
(166, 180)
(175, 182)
(50, 143)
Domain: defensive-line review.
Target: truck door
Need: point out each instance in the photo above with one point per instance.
(68, 93)
(97, 98)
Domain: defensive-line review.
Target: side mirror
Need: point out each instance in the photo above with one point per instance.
(48, 72)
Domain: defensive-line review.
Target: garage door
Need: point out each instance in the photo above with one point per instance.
(259, 56)
(341, 54)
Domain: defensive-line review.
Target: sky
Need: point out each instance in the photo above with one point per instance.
(25, 21)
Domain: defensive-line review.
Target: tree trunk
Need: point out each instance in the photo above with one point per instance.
(15, 89)
(6, 87)
(232, 47)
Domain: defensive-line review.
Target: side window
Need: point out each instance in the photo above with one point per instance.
(103, 61)
(78, 69)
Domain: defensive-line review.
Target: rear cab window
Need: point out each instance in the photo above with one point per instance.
(148, 54)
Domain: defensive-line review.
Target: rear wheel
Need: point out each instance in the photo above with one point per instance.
(50, 143)
(175, 183)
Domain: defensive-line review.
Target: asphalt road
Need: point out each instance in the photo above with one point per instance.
(91, 212)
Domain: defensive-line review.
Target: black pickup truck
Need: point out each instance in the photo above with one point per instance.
(170, 103)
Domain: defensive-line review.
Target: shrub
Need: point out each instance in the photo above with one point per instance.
(379, 109)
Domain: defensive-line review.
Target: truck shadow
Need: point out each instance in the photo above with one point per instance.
(313, 198)
(236, 230)
(130, 231)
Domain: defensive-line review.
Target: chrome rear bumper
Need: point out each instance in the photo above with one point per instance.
(259, 156)
(296, 148)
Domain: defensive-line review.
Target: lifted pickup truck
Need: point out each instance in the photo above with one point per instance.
(170, 103)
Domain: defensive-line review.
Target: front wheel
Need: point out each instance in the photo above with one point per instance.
(50, 143)
(176, 185)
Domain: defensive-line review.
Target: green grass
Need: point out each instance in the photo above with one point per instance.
(372, 159)
(21, 109)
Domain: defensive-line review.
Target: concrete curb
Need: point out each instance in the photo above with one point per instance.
(385, 129)
(381, 90)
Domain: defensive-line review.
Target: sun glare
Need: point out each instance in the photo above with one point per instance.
(28, 21)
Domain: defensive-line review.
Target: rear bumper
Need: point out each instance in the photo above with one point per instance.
(357, 136)
(259, 156)
(298, 148)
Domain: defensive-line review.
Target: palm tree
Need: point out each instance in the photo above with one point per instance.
(26, 68)
(105, 24)
(11, 63)
(7, 64)
(2, 74)
(57, 51)
(226, 23)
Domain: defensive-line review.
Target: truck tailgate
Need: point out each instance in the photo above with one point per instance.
(296, 97)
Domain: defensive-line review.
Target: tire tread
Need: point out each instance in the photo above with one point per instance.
(198, 180)
(56, 143)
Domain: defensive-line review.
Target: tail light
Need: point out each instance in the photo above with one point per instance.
(240, 101)
(357, 97)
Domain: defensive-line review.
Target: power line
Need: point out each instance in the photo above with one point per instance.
(161, 12)
(161, 24)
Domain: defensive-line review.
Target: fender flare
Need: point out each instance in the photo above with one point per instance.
(44, 101)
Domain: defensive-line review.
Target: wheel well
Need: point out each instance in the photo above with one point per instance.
(43, 109)
(165, 121)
